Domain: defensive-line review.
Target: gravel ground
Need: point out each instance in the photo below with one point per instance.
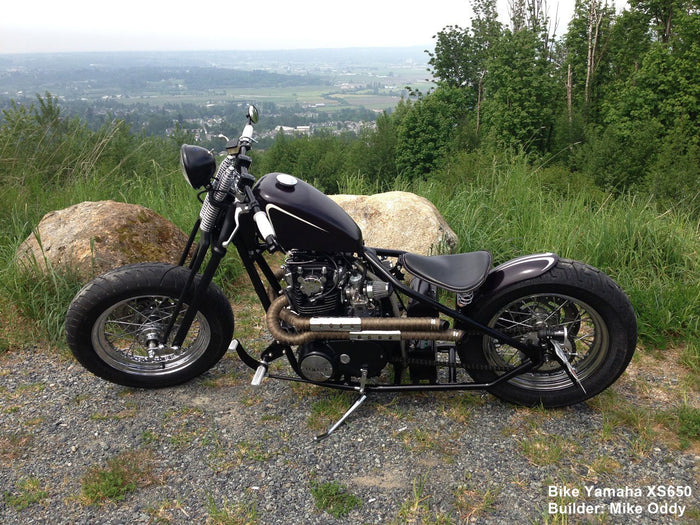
(219, 443)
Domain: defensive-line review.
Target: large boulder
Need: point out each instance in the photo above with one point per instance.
(93, 237)
(399, 220)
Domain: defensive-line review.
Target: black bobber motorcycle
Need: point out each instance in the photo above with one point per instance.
(536, 330)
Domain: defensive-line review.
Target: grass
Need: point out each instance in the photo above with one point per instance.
(334, 498)
(328, 409)
(473, 500)
(227, 513)
(122, 475)
(417, 509)
(27, 492)
(548, 449)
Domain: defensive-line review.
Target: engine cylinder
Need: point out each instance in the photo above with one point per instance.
(312, 284)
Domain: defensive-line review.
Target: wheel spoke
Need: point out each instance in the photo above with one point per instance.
(125, 333)
(524, 317)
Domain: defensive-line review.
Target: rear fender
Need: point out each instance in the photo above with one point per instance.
(516, 270)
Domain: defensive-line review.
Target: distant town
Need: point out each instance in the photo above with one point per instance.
(205, 93)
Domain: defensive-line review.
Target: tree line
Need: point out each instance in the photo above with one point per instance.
(615, 102)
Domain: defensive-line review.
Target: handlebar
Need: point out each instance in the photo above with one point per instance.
(245, 181)
(233, 175)
(247, 136)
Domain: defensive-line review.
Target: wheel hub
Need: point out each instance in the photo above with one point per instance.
(150, 334)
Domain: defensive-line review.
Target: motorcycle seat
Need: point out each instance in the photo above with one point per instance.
(459, 273)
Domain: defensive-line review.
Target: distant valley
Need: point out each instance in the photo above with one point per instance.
(155, 92)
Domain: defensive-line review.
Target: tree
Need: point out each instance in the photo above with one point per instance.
(646, 115)
(519, 92)
(587, 43)
(665, 86)
(374, 154)
(429, 130)
(461, 54)
(661, 14)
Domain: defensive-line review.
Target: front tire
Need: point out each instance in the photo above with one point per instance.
(599, 321)
(113, 321)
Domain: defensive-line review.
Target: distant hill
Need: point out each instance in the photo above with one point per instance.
(74, 76)
(248, 60)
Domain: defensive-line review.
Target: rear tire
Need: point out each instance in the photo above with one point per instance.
(112, 319)
(601, 326)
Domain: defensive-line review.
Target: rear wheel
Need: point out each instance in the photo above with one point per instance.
(116, 324)
(572, 298)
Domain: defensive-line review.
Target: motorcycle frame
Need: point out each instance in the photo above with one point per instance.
(238, 229)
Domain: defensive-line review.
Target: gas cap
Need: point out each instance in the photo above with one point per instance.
(288, 181)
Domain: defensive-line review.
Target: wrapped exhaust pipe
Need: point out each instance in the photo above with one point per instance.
(354, 328)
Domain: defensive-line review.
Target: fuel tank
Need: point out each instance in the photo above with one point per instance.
(304, 218)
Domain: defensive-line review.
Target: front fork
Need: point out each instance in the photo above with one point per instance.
(217, 254)
(218, 250)
(207, 277)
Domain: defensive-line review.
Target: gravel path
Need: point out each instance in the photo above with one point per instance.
(219, 445)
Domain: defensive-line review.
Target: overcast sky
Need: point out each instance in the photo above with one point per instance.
(125, 25)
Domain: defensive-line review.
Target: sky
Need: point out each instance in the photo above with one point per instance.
(29, 26)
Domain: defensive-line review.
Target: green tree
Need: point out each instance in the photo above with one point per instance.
(280, 157)
(520, 92)
(429, 130)
(661, 14)
(461, 54)
(587, 60)
(659, 98)
(374, 153)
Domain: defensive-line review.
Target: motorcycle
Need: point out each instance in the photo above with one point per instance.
(535, 330)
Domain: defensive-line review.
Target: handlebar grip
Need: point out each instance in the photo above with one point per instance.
(247, 134)
(265, 228)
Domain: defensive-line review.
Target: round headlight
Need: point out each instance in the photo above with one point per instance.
(198, 165)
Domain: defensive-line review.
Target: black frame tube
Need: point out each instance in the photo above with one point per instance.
(371, 255)
(526, 366)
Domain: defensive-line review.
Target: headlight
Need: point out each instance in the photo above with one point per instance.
(198, 165)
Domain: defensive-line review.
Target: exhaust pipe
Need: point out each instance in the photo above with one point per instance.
(354, 328)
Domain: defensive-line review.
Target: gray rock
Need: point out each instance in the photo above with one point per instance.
(93, 237)
(399, 220)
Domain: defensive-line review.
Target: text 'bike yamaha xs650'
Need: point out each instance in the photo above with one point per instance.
(535, 330)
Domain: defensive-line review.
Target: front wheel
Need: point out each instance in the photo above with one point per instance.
(116, 323)
(597, 317)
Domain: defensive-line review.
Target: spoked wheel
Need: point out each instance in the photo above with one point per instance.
(592, 316)
(115, 327)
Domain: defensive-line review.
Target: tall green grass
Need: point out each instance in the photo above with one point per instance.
(508, 208)
(493, 201)
(49, 163)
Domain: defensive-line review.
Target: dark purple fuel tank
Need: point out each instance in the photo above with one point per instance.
(304, 218)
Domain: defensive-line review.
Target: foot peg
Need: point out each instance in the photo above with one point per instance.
(260, 374)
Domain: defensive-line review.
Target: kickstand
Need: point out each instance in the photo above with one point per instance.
(354, 407)
(561, 357)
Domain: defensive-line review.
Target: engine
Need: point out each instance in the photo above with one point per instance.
(321, 285)
(327, 286)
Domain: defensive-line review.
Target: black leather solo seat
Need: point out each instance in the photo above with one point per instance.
(459, 273)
